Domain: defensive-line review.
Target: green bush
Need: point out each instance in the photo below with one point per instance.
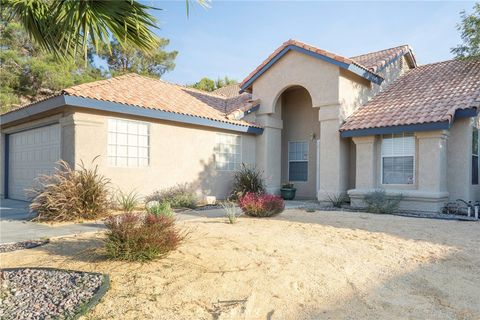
(141, 237)
(127, 201)
(378, 202)
(247, 180)
(70, 194)
(179, 196)
(160, 208)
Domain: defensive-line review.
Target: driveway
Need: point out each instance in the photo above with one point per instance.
(15, 225)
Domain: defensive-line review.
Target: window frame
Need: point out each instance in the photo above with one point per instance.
(307, 161)
(216, 153)
(414, 155)
(116, 132)
(477, 155)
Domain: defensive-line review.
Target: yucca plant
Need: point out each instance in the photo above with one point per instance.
(230, 211)
(70, 194)
(337, 199)
(127, 201)
(247, 179)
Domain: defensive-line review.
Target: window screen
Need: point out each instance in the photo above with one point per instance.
(398, 158)
(298, 161)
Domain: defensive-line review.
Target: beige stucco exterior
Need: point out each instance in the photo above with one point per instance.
(178, 153)
(302, 98)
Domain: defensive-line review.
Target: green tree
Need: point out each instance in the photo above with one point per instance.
(226, 81)
(27, 73)
(153, 62)
(207, 84)
(470, 33)
(65, 27)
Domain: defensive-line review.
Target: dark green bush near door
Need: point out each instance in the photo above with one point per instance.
(247, 179)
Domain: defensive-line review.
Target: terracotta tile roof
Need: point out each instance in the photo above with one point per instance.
(306, 47)
(374, 61)
(133, 89)
(426, 94)
(230, 91)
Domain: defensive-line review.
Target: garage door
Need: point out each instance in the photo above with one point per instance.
(31, 152)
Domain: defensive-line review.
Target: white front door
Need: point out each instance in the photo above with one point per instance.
(31, 153)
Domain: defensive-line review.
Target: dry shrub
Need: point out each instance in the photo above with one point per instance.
(70, 194)
(179, 196)
(261, 205)
(141, 237)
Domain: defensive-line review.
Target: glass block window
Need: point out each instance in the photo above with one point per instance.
(475, 156)
(398, 158)
(128, 143)
(228, 152)
(297, 160)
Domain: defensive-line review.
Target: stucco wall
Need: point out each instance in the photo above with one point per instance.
(178, 154)
(300, 122)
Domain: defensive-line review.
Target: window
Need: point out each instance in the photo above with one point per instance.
(128, 143)
(475, 156)
(298, 160)
(228, 155)
(398, 158)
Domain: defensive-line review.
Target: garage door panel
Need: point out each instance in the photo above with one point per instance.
(31, 153)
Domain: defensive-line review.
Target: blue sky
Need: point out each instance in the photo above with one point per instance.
(232, 38)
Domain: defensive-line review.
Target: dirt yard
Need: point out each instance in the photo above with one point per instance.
(322, 265)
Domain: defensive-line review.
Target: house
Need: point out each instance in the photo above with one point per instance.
(328, 123)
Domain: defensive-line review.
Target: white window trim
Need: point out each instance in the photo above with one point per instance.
(307, 161)
(241, 152)
(148, 144)
(408, 155)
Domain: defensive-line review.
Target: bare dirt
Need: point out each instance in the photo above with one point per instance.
(299, 265)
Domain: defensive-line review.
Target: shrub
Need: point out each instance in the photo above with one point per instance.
(378, 202)
(179, 196)
(127, 201)
(337, 199)
(261, 205)
(247, 179)
(141, 237)
(160, 209)
(70, 194)
(230, 211)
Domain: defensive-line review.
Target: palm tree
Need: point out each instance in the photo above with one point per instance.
(65, 27)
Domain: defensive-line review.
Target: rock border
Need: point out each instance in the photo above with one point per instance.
(84, 308)
(22, 245)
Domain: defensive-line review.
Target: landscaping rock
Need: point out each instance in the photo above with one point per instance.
(21, 245)
(46, 293)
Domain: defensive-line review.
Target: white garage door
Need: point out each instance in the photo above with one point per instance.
(31, 152)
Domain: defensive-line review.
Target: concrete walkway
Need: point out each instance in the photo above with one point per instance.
(15, 225)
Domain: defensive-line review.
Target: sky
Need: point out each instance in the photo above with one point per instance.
(233, 38)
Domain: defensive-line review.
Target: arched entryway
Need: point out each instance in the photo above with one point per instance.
(299, 140)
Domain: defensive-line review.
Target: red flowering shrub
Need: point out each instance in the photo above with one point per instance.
(141, 237)
(261, 205)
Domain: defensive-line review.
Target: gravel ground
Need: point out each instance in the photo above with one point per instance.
(45, 293)
(21, 245)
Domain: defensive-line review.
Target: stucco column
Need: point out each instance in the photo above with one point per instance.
(67, 129)
(365, 177)
(432, 161)
(334, 160)
(269, 151)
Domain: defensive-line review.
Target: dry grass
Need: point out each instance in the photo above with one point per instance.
(296, 266)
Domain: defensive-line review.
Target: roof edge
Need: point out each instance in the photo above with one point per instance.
(417, 127)
(94, 104)
(352, 67)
